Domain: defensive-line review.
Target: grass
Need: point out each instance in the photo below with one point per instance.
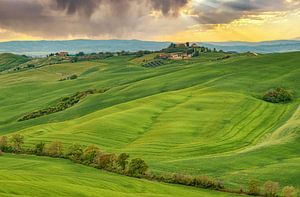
(197, 116)
(29, 176)
(8, 61)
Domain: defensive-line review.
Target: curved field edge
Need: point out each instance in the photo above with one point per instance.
(23, 175)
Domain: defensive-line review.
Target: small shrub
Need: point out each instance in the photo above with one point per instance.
(75, 152)
(278, 95)
(137, 167)
(3, 143)
(72, 77)
(1, 153)
(271, 188)
(90, 153)
(254, 188)
(105, 161)
(289, 191)
(39, 148)
(55, 149)
(122, 161)
(182, 179)
(17, 140)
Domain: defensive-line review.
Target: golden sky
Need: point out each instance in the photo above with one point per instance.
(160, 20)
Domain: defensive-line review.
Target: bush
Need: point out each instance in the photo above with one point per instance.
(122, 161)
(55, 149)
(182, 179)
(90, 153)
(105, 161)
(72, 77)
(17, 140)
(277, 95)
(39, 148)
(206, 182)
(1, 153)
(137, 167)
(3, 143)
(271, 188)
(75, 152)
(254, 188)
(289, 191)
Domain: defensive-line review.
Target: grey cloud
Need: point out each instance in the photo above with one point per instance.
(220, 12)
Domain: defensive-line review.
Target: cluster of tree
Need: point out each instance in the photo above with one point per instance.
(224, 57)
(278, 95)
(90, 155)
(81, 56)
(71, 77)
(154, 63)
(63, 104)
(269, 189)
(142, 53)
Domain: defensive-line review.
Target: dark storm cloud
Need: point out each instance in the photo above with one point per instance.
(168, 7)
(86, 7)
(81, 17)
(61, 18)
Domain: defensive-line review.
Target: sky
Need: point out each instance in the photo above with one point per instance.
(158, 20)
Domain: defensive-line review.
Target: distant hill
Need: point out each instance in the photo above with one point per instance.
(259, 47)
(8, 60)
(42, 48)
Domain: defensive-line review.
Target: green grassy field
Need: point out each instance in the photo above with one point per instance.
(199, 116)
(8, 61)
(38, 176)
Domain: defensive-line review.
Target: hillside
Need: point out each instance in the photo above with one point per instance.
(19, 178)
(8, 60)
(202, 116)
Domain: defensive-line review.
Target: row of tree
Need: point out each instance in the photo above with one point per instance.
(120, 163)
(90, 155)
(64, 103)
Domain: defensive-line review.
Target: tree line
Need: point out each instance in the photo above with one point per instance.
(63, 104)
(93, 156)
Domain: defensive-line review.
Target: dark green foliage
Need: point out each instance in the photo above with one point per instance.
(63, 104)
(196, 54)
(80, 54)
(55, 149)
(278, 95)
(224, 58)
(137, 167)
(17, 140)
(40, 148)
(71, 77)
(75, 152)
(122, 160)
(90, 153)
(254, 188)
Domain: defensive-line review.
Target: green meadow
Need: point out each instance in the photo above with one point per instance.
(40, 176)
(201, 116)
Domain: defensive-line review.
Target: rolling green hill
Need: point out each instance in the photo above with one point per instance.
(203, 116)
(8, 60)
(29, 176)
